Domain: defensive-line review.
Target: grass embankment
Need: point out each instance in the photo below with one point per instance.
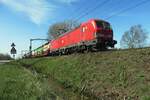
(109, 75)
(18, 83)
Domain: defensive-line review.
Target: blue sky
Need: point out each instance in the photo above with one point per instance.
(21, 20)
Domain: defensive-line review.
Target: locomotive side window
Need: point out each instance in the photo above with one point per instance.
(83, 29)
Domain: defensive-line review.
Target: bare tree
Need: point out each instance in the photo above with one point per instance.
(61, 27)
(134, 38)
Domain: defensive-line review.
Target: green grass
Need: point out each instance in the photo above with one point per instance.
(17, 83)
(113, 74)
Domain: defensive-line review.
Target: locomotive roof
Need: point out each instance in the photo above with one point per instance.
(79, 26)
(67, 32)
(97, 20)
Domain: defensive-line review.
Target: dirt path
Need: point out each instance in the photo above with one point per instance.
(4, 61)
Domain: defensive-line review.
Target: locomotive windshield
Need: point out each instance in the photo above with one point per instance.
(99, 24)
(102, 24)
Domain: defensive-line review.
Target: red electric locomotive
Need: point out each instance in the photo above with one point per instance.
(92, 35)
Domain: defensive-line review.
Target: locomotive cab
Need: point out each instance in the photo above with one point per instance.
(104, 33)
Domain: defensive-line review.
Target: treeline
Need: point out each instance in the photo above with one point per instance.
(5, 57)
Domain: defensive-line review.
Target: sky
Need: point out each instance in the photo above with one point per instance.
(21, 20)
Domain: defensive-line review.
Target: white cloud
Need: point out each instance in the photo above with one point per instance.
(67, 1)
(37, 11)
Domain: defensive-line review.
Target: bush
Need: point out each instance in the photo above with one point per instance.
(5, 57)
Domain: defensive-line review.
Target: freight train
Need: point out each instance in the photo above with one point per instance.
(93, 35)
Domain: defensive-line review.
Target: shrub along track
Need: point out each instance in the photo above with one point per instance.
(112, 75)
